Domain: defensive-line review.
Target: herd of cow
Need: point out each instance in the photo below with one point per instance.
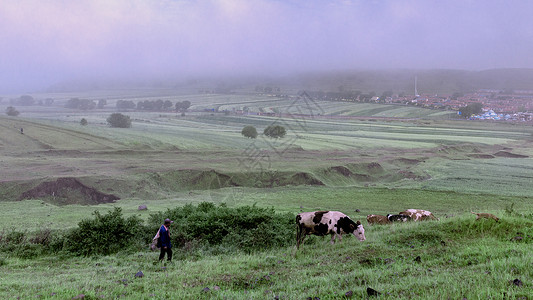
(336, 223)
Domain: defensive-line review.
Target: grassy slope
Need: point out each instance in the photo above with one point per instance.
(459, 257)
(476, 254)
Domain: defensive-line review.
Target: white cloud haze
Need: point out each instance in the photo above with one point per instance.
(44, 41)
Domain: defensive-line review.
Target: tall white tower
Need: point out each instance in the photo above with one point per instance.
(416, 91)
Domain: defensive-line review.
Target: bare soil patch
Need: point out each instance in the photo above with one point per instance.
(212, 180)
(66, 191)
(509, 154)
(341, 170)
(406, 161)
(303, 178)
(480, 155)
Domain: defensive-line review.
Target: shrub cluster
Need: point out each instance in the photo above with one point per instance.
(205, 228)
(275, 131)
(18, 243)
(249, 132)
(11, 111)
(83, 104)
(119, 120)
(223, 229)
(105, 234)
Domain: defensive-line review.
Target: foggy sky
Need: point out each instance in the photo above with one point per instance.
(46, 41)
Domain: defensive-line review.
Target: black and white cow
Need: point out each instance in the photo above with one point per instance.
(398, 218)
(327, 222)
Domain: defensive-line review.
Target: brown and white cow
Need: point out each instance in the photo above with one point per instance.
(327, 222)
(377, 219)
(419, 214)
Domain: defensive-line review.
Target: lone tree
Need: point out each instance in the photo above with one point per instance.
(249, 132)
(471, 109)
(83, 122)
(11, 111)
(275, 131)
(183, 106)
(119, 120)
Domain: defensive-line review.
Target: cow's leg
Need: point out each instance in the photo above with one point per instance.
(301, 237)
(334, 236)
(298, 234)
(300, 240)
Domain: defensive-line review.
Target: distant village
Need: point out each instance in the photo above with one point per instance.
(498, 105)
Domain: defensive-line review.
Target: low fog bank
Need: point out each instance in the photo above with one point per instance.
(86, 44)
(399, 81)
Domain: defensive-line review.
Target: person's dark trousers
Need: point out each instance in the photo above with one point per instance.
(168, 251)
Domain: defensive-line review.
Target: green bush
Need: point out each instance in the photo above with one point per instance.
(249, 132)
(225, 229)
(119, 120)
(105, 234)
(14, 237)
(275, 131)
(23, 245)
(11, 111)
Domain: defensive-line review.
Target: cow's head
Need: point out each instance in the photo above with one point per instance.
(358, 231)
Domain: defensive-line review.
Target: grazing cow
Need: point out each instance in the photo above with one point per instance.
(485, 215)
(398, 218)
(377, 219)
(418, 214)
(327, 222)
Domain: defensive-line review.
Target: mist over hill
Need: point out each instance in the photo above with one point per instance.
(434, 81)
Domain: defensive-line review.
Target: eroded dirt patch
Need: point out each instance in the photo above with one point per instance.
(509, 154)
(341, 170)
(479, 155)
(212, 180)
(66, 191)
(406, 161)
(303, 178)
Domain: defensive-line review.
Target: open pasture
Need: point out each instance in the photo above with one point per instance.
(54, 145)
(455, 257)
(357, 158)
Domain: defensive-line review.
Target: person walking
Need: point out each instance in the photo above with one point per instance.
(164, 238)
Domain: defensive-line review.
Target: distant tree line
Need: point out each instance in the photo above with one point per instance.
(85, 104)
(155, 105)
(27, 100)
(183, 106)
(267, 89)
(125, 104)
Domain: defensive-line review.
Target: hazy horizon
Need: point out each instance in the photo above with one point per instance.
(45, 42)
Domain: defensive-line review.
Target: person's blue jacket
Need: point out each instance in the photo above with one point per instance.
(164, 237)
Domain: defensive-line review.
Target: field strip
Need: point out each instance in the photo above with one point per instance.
(80, 135)
(399, 128)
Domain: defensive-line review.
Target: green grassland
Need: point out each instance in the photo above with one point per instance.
(357, 158)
